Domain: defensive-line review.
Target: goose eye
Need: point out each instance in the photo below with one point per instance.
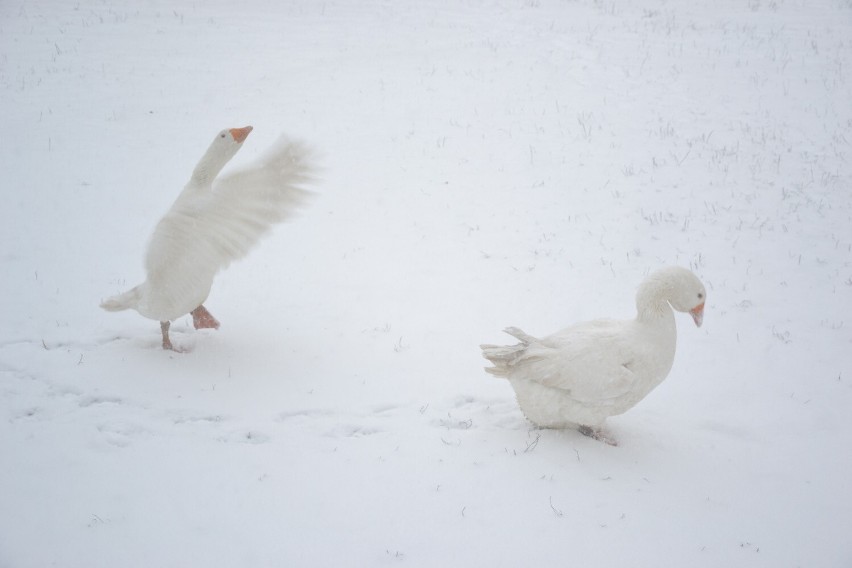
(700, 295)
(222, 135)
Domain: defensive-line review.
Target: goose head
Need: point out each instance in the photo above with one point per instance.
(224, 147)
(678, 287)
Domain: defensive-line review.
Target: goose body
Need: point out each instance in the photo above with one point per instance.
(214, 221)
(578, 377)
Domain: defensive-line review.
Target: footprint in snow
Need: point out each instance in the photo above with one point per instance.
(206, 419)
(467, 412)
(303, 415)
(88, 401)
(33, 413)
(120, 434)
(383, 409)
(351, 431)
(345, 424)
(247, 437)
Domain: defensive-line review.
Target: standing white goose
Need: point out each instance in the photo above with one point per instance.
(579, 376)
(214, 221)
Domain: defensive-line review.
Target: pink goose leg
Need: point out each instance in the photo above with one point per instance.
(167, 343)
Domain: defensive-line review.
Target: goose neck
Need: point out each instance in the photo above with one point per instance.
(205, 172)
(652, 301)
(209, 167)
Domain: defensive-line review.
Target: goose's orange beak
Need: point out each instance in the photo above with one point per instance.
(240, 134)
(697, 314)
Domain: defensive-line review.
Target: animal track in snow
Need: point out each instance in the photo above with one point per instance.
(467, 412)
(465, 400)
(344, 424)
(302, 415)
(452, 423)
(34, 412)
(207, 419)
(247, 437)
(456, 414)
(87, 401)
(381, 409)
(120, 434)
(351, 431)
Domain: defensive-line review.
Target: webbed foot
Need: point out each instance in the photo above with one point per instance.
(597, 434)
(201, 318)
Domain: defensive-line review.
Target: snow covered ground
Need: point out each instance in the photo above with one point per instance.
(484, 163)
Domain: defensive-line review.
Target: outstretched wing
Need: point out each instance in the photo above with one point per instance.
(244, 205)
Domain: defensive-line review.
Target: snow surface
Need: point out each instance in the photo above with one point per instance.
(486, 163)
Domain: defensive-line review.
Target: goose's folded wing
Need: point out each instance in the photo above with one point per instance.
(591, 362)
(244, 205)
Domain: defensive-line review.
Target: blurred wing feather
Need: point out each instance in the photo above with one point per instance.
(244, 205)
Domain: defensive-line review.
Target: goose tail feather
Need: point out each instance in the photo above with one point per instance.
(125, 301)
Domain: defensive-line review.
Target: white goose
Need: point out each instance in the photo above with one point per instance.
(214, 221)
(579, 376)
